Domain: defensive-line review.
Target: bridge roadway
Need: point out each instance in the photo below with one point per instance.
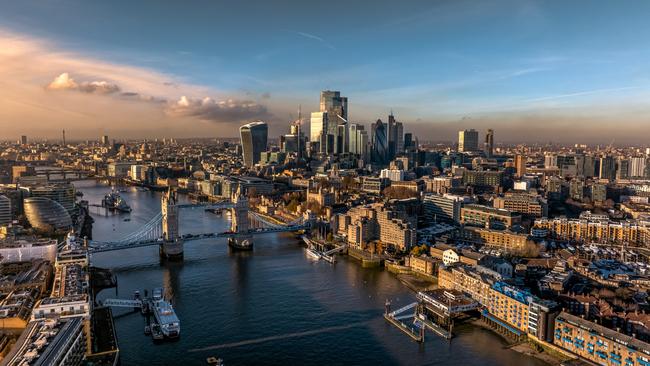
(108, 247)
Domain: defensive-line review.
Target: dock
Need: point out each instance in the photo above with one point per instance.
(416, 331)
(145, 306)
(326, 255)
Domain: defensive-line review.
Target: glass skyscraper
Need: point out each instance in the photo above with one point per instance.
(467, 140)
(379, 143)
(254, 137)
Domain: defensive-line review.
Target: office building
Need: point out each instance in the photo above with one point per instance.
(105, 141)
(392, 174)
(488, 217)
(488, 146)
(336, 107)
(638, 167)
(467, 140)
(52, 342)
(395, 137)
(520, 165)
(443, 208)
(62, 193)
(525, 204)
(254, 137)
(318, 126)
(5, 210)
(23, 140)
(379, 143)
(46, 214)
(607, 168)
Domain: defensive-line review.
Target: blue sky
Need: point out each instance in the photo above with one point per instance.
(433, 61)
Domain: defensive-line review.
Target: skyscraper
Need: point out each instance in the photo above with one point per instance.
(379, 143)
(408, 141)
(318, 126)
(336, 107)
(467, 140)
(488, 146)
(23, 140)
(352, 140)
(607, 168)
(105, 141)
(363, 144)
(520, 165)
(395, 137)
(253, 140)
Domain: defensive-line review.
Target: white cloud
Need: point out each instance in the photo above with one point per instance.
(208, 109)
(63, 82)
(66, 82)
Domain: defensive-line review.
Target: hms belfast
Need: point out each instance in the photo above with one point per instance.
(172, 244)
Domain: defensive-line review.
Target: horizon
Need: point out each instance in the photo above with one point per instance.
(523, 68)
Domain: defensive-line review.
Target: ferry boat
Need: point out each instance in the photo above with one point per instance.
(165, 316)
(114, 201)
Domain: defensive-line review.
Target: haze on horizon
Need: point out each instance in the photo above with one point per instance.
(532, 70)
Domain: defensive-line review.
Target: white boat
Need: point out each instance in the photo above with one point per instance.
(165, 315)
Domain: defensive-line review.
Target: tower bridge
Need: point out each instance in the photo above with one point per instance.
(163, 229)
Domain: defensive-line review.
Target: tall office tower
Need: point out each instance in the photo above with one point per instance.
(353, 129)
(637, 167)
(408, 141)
(23, 140)
(623, 168)
(254, 137)
(63, 137)
(550, 161)
(395, 137)
(342, 144)
(520, 165)
(379, 143)
(5, 210)
(467, 140)
(363, 144)
(607, 168)
(488, 146)
(318, 126)
(589, 166)
(336, 107)
(105, 141)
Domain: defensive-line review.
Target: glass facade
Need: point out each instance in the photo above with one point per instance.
(253, 140)
(46, 214)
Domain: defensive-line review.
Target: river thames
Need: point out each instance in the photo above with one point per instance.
(270, 306)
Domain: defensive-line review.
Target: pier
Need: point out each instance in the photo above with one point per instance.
(435, 310)
(396, 317)
(146, 306)
(318, 249)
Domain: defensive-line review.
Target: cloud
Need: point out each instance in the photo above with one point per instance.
(317, 38)
(65, 82)
(208, 109)
(581, 93)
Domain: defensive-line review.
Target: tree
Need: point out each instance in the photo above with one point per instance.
(293, 205)
(419, 250)
(529, 250)
(398, 193)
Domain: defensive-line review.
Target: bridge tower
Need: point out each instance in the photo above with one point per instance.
(242, 240)
(172, 244)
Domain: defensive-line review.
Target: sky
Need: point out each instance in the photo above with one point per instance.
(561, 71)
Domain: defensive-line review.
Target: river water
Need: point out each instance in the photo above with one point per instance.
(271, 306)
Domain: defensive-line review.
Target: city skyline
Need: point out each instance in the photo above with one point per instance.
(523, 69)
